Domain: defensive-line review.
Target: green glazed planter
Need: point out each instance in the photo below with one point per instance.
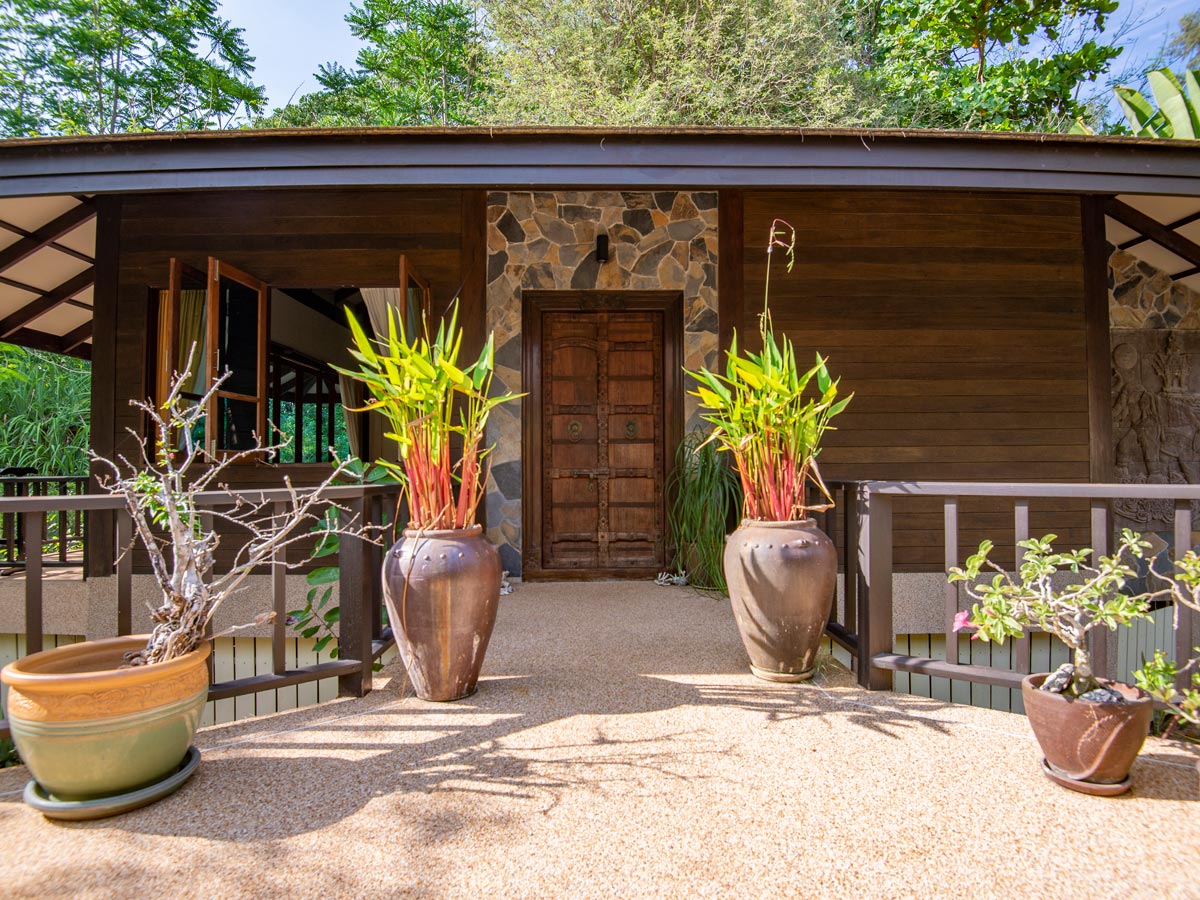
(87, 728)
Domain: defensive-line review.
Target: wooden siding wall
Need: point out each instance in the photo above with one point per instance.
(958, 321)
(310, 239)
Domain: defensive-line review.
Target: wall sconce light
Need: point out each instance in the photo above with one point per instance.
(602, 248)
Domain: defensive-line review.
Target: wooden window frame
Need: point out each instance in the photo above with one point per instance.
(408, 272)
(217, 269)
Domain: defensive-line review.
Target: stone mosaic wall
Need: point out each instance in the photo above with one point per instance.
(1155, 337)
(546, 240)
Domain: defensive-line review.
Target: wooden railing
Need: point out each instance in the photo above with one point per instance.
(62, 535)
(875, 519)
(361, 636)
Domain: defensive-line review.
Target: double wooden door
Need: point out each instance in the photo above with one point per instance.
(606, 405)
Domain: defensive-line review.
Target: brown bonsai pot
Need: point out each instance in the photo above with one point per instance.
(782, 577)
(1089, 746)
(442, 589)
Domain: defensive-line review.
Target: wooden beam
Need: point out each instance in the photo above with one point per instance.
(316, 303)
(473, 258)
(61, 248)
(1096, 340)
(34, 340)
(1154, 230)
(74, 338)
(48, 233)
(47, 302)
(1178, 223)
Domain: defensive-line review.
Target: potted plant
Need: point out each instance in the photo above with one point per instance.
(107, 725)
(780, 568)
(441, 580)
(1090, 729)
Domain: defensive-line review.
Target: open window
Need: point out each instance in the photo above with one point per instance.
(415, 295)
(238, 335)
(280, 345)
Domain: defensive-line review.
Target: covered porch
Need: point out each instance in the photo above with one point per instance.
(618, 747)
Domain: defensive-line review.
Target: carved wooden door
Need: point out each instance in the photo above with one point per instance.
(603, 444)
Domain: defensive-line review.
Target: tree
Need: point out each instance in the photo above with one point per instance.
(995, 65)
(675, 62)
(1184, 47)
(106, 66)
(423, 64)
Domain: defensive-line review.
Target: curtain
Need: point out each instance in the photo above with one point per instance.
(351, 397)
(378, 301)
(192, 333)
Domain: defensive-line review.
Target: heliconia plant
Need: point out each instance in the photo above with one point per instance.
(416, 382)
(766, 417)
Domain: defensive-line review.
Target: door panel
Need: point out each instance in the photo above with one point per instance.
(603, 439)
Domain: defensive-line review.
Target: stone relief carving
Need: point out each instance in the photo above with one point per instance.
(1156, 417)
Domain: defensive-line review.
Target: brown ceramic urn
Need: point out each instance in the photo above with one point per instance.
(442, 589)
(782, 577)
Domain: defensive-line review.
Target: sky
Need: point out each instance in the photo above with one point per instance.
(290, 38)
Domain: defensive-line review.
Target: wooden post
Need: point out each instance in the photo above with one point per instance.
(1184, 615)
(279, 598)
(950, 591)
(1021, 648)
(99, 534)
(354, 598)
(124, 551)
(1098, 644)
(33, 524)
(1096, 337)
(875, 614)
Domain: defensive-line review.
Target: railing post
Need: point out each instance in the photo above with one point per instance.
(124, 572)
(279, 598)
(1183, 615)
(875, 614)
(32, 523)
(950, 590)
(850, 557)
(1021, 647)
(1098, 644)
(354, 597)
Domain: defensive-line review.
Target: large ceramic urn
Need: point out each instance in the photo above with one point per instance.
(782, 577)
(442, 589)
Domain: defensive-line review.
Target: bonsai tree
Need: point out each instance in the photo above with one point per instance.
(764, 414)
(1092, 597)
(1159, 677)
(429, 400)
(180, 538)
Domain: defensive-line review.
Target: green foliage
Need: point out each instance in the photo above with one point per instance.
(1178, 113)
(1002, 66)
(674, 62)
(704, 493)
(1159, 677)
(88, 67)
(1093, 596)
(763, 415)
(415, 381)
(318, 616)
(45, 410)
(423, 64)
(8, 754)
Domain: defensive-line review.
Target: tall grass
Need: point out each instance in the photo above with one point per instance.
(45, 402)
(704, 495)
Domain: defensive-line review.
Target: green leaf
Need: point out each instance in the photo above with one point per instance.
(323, 575)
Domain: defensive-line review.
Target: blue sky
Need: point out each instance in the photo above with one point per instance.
(290, 38)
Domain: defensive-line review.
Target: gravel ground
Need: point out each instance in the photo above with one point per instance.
(618, 747)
